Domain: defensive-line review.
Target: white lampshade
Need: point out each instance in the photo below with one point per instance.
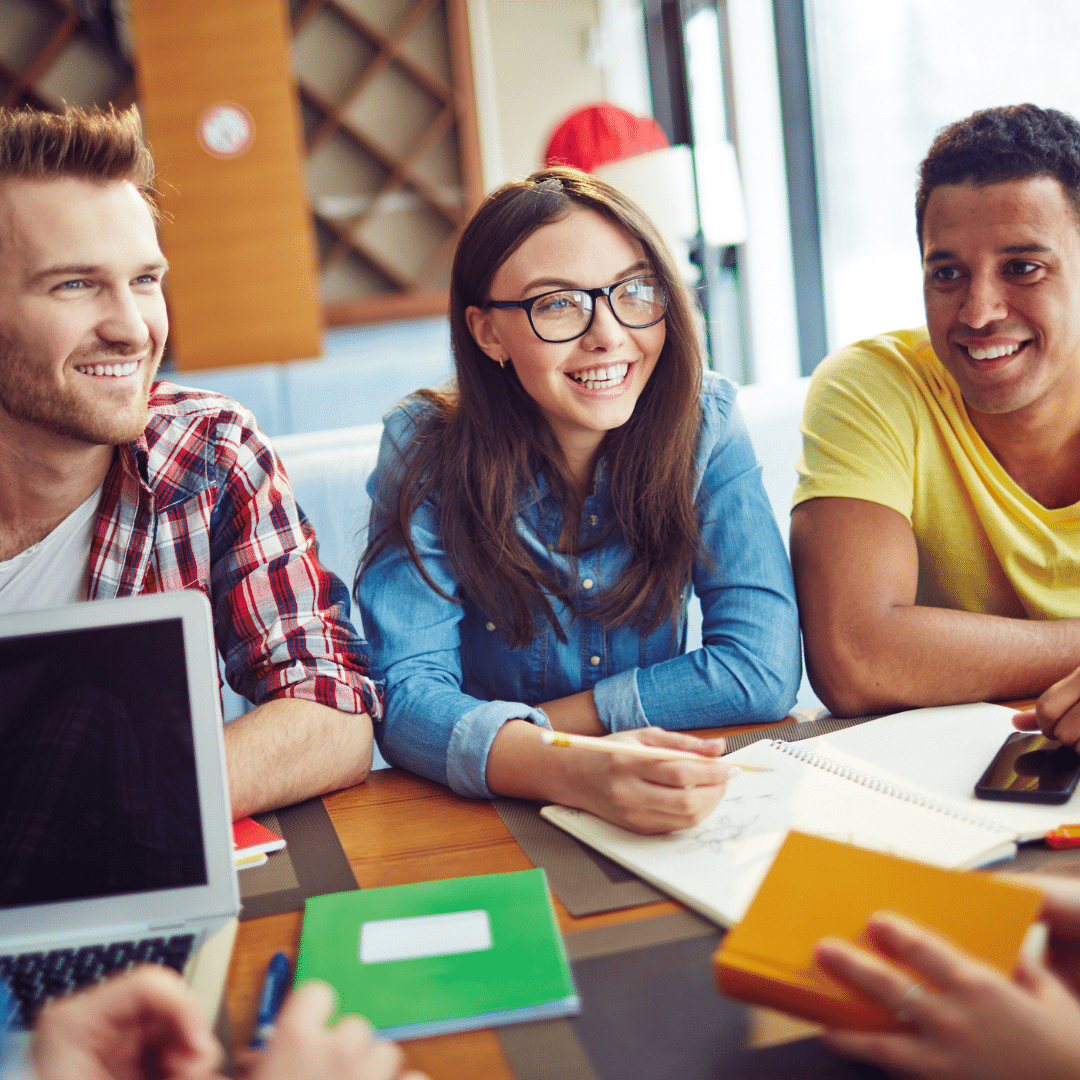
(720, 198)
(661, 182)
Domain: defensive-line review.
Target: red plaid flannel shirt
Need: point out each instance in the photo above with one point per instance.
(201, 501)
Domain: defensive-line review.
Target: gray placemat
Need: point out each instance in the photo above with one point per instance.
(650, 1008)
(583, 879)
(312, 863)
(588, 882)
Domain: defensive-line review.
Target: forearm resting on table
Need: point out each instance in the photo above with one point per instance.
(521, 766)
(870, 648)
(910, 657)
(290, 749)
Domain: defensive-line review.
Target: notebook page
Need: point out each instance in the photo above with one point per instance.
(946, 750)
(717, 866)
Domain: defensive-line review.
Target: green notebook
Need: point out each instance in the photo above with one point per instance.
(441, 956)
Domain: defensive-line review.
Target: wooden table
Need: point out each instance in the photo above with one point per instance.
(397, 828)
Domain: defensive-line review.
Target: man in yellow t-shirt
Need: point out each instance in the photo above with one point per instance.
(936, 531)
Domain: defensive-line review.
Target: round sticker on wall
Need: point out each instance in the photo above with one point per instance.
(226, 130)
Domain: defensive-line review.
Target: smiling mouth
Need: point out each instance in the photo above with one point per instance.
(605, 377)
(114, 371)
(993, 352)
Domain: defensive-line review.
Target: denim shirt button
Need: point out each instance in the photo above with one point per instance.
(594, 660)
(587, 583)
(491, 626)
(593, 519)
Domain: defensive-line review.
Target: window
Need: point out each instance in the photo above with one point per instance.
(884, 78)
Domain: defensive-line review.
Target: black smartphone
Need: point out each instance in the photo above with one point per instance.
(1029, 767)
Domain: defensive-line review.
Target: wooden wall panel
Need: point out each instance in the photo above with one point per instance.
(238, 234)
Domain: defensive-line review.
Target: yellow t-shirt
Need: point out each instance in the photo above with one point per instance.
(885, 422)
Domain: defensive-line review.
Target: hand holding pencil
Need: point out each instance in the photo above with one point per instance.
(648, 780)
(633, 749)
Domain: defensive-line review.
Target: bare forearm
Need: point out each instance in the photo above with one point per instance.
(909, 656)
(870, 648)
(290, 749)
(521, 766)
(575, 713)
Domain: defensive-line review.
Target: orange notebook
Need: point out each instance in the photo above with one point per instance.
(821, 888)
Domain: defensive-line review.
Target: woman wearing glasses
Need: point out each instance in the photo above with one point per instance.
(536, 531)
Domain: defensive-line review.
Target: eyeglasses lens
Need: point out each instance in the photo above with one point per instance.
(563, 316)
(639, 301)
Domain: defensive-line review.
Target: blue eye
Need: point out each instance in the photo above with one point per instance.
(558, 304)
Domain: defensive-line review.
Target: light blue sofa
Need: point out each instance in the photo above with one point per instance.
(323, 419)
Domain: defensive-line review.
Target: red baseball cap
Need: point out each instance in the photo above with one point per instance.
(599, 134)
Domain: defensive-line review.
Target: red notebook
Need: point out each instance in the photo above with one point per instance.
(250, 838)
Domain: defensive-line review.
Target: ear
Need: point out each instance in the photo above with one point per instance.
(482, 328)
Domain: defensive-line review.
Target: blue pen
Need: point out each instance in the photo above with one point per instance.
(274, 989)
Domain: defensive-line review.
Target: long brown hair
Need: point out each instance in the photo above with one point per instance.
(480, 449)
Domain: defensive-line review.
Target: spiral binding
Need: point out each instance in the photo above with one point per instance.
(876, 783)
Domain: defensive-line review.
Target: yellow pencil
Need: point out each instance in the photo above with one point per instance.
(633, 749)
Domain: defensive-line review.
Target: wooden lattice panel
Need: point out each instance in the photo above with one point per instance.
(393, 166)
(386, 98)
(49, 56)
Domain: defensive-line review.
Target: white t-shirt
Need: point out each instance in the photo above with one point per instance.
(55, 570)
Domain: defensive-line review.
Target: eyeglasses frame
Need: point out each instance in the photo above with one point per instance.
(593, 294)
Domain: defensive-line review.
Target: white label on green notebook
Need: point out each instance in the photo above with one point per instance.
(424, 935)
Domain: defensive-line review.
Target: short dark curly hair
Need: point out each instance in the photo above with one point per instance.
(1011, 142)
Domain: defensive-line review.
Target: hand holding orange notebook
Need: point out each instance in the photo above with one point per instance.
(821, 888)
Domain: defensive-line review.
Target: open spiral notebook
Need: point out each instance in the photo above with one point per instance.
(819, 787)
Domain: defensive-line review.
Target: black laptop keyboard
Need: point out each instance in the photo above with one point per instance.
(34, 977)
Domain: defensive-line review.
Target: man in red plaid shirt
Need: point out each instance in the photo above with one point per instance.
(114, 485)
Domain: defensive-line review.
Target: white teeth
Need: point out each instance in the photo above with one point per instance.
(109, 370)
(601, 378)
(992, 353)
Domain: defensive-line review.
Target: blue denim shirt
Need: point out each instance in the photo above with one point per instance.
(452, 682)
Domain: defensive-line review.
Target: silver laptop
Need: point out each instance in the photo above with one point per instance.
(115, 831)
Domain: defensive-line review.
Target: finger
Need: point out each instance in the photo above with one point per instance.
(706, 765)
(1026, 721)
(1061, 901)
(1056, 701)
(1066, 730)
(896, 1053)
(149, 1004)
(151, 989)
(1031, 975)
(677, 740)
(870, 973)
(924, 952)
(307, 1008)
(652, 809)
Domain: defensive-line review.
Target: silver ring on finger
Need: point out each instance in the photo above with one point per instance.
(904, 1009)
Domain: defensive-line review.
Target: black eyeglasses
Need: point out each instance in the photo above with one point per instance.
(566, 314)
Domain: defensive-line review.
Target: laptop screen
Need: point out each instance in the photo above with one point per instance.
(98, 786)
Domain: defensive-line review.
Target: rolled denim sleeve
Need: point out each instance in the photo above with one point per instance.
(430, 726)
(749, 666)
